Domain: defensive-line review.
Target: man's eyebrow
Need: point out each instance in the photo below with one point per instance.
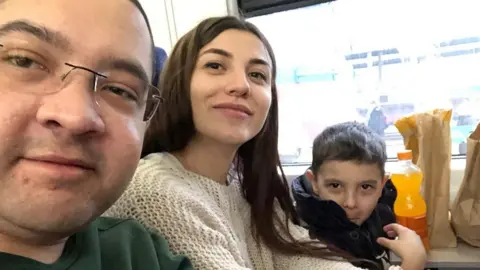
(43, 33)
(127, 65)
(253, 61)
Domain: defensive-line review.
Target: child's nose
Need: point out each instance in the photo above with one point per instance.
(350, 201)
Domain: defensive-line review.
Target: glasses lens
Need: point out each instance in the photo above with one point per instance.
(153, 101)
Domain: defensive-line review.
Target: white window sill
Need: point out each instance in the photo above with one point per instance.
(457, 171)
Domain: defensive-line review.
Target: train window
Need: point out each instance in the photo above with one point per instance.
(342, 60)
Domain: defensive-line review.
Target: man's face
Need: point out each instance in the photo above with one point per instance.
(66, 155)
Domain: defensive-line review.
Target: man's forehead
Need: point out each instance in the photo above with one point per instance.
(91, 27)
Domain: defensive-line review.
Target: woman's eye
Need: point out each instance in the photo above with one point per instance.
(258, 75)
(213, 65)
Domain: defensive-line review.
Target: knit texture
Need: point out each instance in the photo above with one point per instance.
(203, 220)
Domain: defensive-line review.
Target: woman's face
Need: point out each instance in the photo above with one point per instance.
(231, 88)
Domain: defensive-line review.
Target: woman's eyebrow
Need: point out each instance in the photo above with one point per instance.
(222, 52)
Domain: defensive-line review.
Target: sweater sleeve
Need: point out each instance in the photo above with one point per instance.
(176, 211)
(291, 262)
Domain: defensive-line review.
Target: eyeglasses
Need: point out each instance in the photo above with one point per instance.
(23, 69)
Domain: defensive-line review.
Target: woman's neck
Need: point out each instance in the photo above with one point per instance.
(207, 158)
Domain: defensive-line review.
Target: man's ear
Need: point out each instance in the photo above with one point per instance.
(311, 178)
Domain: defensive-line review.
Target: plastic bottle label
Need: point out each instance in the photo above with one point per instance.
(418, 224)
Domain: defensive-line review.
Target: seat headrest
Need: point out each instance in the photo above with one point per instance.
(160, 58)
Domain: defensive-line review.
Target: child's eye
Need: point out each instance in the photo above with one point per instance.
(367, 186)
(334, 185)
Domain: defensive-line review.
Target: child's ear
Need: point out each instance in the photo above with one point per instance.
(311, 178)
(384, 180)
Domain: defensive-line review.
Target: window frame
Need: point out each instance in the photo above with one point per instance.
(274, 7)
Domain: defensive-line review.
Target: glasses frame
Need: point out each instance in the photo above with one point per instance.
(153, 93)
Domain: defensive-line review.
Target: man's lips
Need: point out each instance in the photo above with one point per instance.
(63, 161)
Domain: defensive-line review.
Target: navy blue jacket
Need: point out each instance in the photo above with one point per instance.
(327, 221)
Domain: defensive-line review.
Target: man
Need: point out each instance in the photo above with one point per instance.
(377, 120)
(75, 102)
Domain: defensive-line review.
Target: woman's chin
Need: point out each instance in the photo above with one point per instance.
(235, 139)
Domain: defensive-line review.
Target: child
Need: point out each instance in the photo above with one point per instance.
(338, 197)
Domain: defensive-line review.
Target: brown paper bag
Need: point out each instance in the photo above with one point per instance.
(466, 207)
(428, 136)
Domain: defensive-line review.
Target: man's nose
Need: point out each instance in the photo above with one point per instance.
(73, 109)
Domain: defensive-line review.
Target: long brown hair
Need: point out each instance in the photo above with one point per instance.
(262, 178)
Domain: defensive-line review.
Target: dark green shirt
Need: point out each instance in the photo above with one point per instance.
(107, 244)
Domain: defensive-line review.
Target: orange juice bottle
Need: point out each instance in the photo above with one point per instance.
(410, 207)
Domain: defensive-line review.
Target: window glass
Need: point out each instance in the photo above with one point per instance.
(374, 61)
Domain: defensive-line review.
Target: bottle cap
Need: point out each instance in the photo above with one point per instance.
(405, 155)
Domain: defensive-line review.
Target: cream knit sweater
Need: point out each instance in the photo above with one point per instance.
(206, 221)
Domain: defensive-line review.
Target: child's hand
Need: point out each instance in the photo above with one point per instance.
(408, 246)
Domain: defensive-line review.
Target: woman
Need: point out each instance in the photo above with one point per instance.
(211, 183)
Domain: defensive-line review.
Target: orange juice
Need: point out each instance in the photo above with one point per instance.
(410, 207)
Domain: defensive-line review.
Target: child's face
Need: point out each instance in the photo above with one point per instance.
(354, 186)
